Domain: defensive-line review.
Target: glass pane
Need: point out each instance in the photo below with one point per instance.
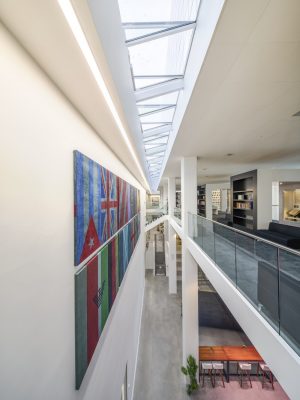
(246, 266)
(172, 50)
(208, 238)
(225, 250)
(289, 301)
(161, 116)
(162, 140)
(144, 82)
(147, 109)
(157, 10)
(170, 98)
(150, 126)
(135, 33)
(267, 285)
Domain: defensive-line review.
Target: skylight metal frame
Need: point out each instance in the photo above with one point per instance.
(154, 151)
(173, 28)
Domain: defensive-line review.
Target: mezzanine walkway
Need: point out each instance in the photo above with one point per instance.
(158, 373)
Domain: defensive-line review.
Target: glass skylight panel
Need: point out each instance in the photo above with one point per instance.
(161, 116)
(163, 140)
(158, 10)
(150, 126)
(140, 83)
(146, 109)
(163, 56)
(170, 98)
(158, 37)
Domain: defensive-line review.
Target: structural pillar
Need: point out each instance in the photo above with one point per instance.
(190, 335)
(171, 195)
(172, 261)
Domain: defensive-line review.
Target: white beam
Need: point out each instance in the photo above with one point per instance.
(160, 34)
(155, 137)
(159, 89)
(156, 131)
(155, 150)
(158, 110)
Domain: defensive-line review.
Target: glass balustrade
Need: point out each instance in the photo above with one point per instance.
(153, 214)
(266, 273)
(177, 215)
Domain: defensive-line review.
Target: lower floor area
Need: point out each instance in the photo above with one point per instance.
(158, 374)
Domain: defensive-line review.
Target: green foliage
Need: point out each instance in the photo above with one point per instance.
(191, 371)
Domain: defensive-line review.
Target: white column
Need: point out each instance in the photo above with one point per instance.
(165, 194)
(172, 261)
(190, 331)
(171, 195)
(190, 339)
(188, 189)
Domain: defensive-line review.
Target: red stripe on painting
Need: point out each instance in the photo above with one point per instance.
(113, 270)
(92, 309)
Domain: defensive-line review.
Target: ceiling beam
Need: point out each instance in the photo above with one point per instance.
(159, 89)
(156, 131)
(158, 110)
(155, 137)
(155, 150)
(165, 31)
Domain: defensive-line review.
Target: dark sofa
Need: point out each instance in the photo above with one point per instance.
(285, 235)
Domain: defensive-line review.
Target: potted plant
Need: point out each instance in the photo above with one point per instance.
(191, 370)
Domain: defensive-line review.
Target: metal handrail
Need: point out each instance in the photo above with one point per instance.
(258, 238)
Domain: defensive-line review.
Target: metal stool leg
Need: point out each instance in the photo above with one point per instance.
(248, 373)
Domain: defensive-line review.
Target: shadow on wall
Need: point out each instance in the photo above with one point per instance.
(213, 312)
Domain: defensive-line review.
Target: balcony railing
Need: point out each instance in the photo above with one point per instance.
(154, 213)
(177, 215)
(266, 273)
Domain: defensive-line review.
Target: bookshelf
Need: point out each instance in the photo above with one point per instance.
(201, 200)
(244, 200)
(178, 199)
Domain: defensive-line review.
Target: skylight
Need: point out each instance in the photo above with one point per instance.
(158, 35)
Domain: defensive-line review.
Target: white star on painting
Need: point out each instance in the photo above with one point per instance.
(91, 243)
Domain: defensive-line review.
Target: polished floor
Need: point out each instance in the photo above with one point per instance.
(158, 375)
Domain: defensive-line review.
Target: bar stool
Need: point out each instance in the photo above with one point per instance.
(218, 368)
(244, 369)
(207, 367)
(265, 372)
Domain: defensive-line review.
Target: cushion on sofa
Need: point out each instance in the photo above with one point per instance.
(274, 236)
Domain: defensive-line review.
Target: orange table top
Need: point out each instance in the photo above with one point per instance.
(229, 353)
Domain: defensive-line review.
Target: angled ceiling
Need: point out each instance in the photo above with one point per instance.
(246, 94)
(43, 31)
(158, 36)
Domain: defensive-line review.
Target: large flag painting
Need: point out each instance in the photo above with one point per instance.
(96, 287)
(103, 204)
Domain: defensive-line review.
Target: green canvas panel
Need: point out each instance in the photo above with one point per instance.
(81, 325)
(104, 277)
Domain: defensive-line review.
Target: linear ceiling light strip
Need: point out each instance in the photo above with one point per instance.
(71, 17)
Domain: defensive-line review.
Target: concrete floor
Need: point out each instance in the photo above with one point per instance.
(158, 375)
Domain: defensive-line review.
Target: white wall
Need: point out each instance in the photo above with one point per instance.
(39, 129)
(265, 177)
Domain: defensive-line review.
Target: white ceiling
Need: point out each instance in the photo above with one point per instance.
(246, 93)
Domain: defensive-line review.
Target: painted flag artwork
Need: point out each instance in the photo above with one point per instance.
(96, 288)
(103, 204)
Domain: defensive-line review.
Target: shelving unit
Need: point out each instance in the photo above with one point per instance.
(201, 200)
(244, 200)
(178, 199)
